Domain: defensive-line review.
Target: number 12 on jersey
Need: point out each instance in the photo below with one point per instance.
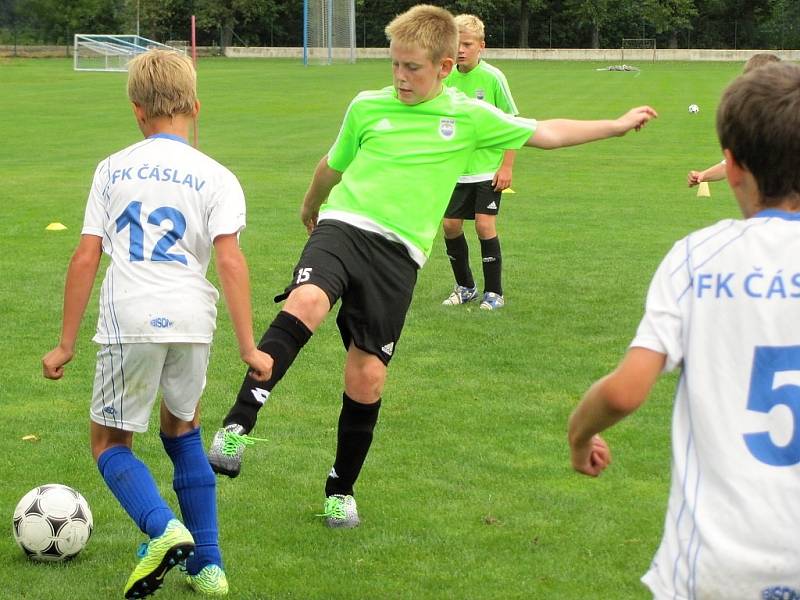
(768, 361)
(132, 217)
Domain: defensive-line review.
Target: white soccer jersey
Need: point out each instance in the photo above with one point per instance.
(158, 205)
(725, 306)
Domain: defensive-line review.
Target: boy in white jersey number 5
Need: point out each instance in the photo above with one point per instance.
(724, 306)
(480, 188)
(373, 209)
(157, 208)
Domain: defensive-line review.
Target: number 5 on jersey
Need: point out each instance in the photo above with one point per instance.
(773, 367)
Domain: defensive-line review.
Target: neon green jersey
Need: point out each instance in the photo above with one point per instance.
(400, 163)
(486, 83)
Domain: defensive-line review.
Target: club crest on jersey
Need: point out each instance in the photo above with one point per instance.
(447, 128)
(480, 94)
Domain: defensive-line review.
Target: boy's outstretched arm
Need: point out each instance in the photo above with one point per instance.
(233, 274)
(321, 185)
(608, 401)
(558, 133)
(713, 173)
(77, 291)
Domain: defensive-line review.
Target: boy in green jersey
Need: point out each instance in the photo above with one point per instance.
(479, 189)
(372, 210)
(716, 172)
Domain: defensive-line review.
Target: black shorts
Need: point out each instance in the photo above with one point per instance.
(373, 276)
(471, 198)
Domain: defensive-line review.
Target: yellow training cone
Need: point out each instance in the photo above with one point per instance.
(509, 191)
(703, 191)
(56, 227)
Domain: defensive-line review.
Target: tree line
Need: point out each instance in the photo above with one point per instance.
(765, 24)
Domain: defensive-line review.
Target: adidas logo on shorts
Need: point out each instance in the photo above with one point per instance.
(388, 348)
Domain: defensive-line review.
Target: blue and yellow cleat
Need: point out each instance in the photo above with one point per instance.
(158, 556)
(210, 581)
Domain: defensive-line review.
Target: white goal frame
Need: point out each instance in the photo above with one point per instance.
(638, 48)
(111, 52)
(329, 31)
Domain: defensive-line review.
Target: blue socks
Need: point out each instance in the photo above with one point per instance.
(134, 487)
(195, 486)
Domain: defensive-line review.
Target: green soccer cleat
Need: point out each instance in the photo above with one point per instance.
(340, 512)
(210, 580)
(227, 447)
(158, 556)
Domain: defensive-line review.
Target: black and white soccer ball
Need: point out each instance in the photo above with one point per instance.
(52, 523)
(693, 108)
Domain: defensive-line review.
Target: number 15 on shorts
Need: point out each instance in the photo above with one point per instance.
(303, 275)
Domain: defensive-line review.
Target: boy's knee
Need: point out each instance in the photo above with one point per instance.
(309, 303)
(452, 227)
(486, 228)
(364, 379)
(104, 438)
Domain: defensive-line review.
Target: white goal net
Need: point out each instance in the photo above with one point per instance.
(329, 31)
(638, 49)
(93, 52)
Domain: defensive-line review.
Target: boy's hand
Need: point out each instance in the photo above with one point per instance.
(260, 364)
(309, 218)
(54, 361)
(502, 179)
(694, 178)
(636, 118)
(591, 458)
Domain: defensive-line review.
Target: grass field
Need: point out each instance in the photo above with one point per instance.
(467, 492)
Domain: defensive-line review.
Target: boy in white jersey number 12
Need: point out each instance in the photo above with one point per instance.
(480, 188)
(157, 208)
(373, 210)
(724, 306)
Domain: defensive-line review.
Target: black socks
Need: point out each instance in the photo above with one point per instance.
(458, 253)
(356, 423)
(283, 340)
(492, 265)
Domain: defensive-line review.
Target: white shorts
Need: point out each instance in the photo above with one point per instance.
(128, 377)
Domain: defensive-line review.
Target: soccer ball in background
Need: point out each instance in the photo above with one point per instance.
(693, 108)
(52, 523)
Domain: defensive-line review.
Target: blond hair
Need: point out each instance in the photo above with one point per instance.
(163, 83)
(759, 60)
(470, 24)
(428, 27)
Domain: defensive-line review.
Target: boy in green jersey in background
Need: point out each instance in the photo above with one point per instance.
(479, 189)
(716, 172)
(372, 210)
